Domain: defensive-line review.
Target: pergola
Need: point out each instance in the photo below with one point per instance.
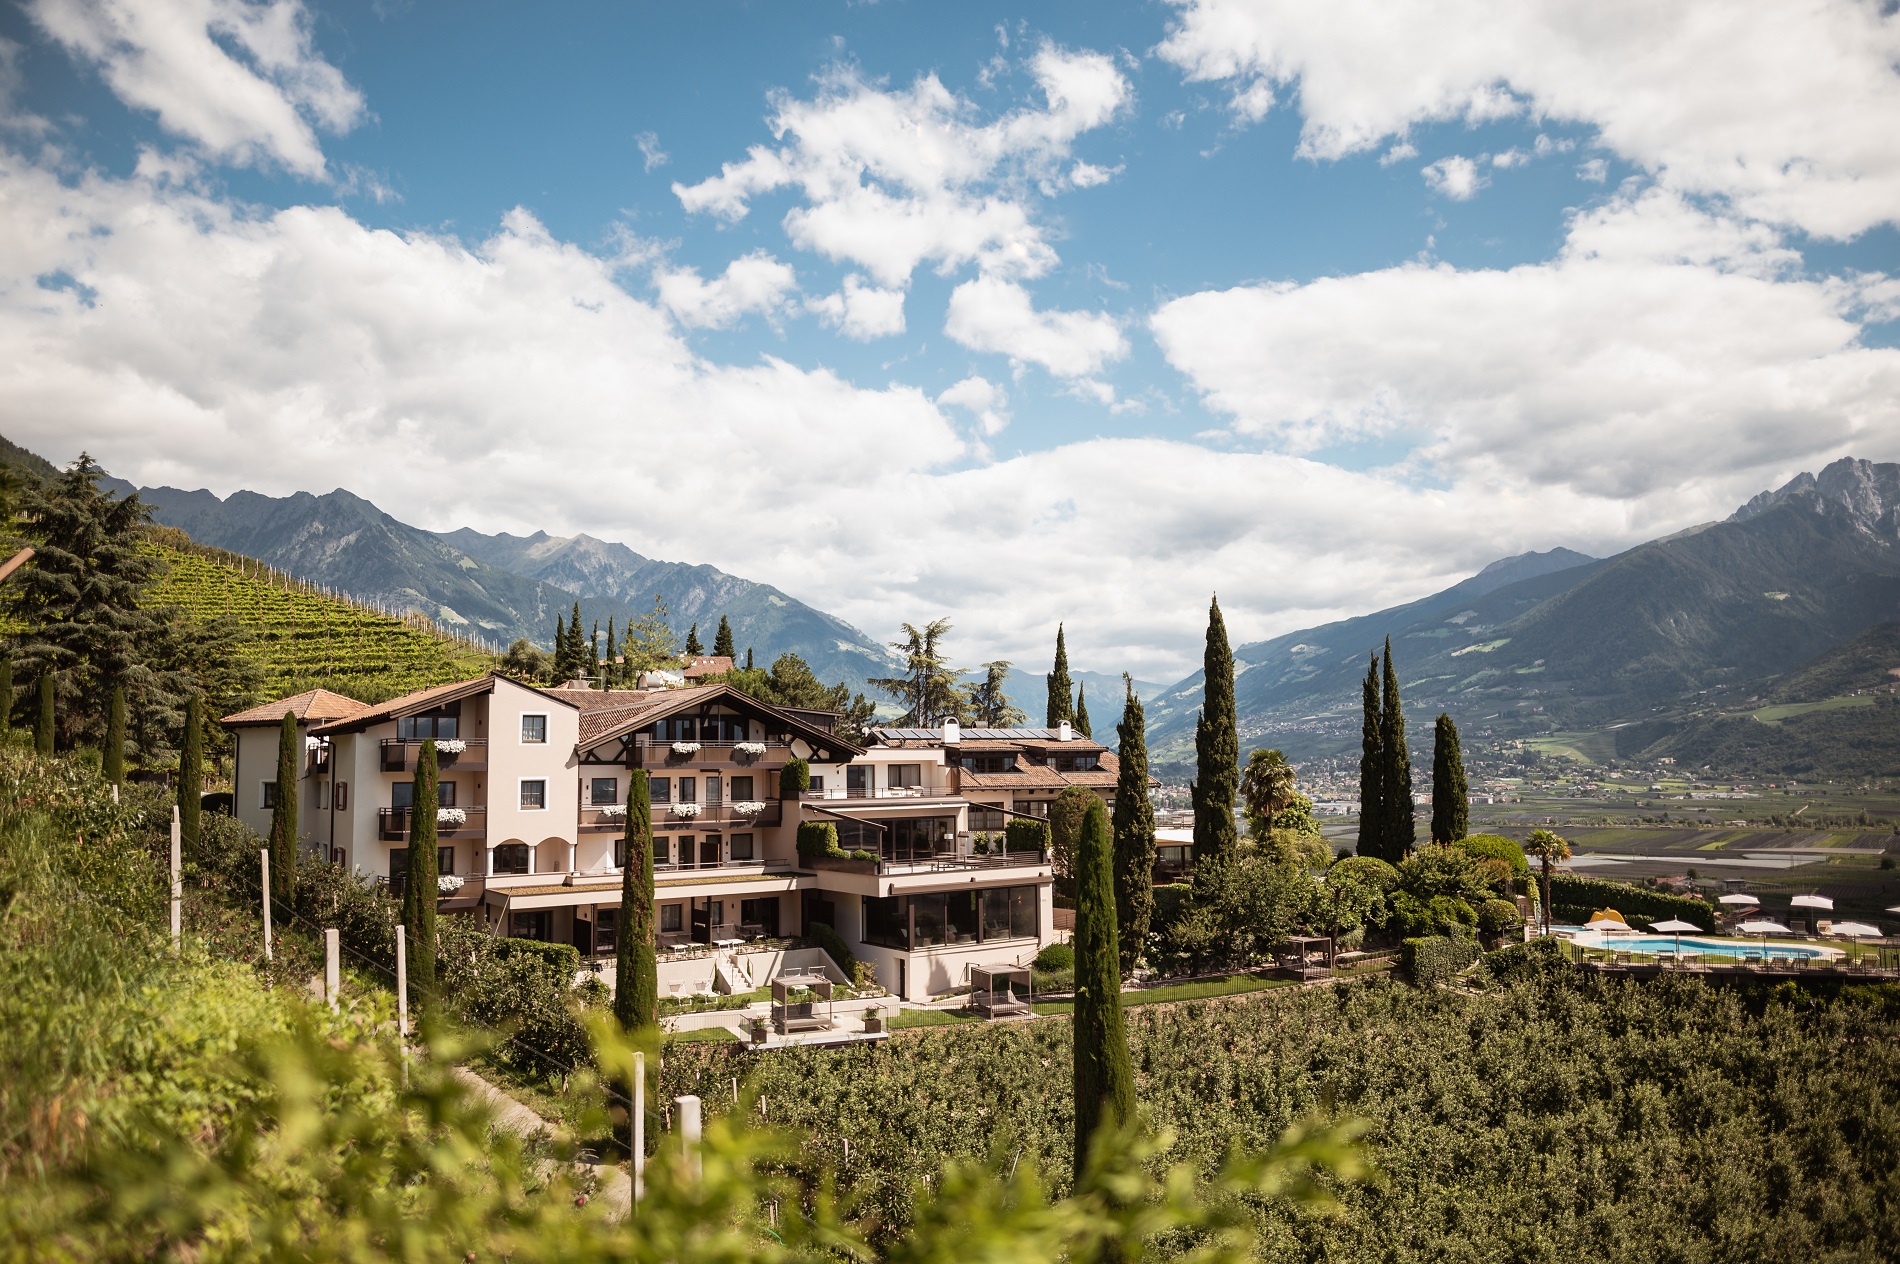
(1297, 953)
(993, 990)
(789, 1015)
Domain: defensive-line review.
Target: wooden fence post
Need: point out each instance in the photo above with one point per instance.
(178, 887)
(332, 975)
(263, 857)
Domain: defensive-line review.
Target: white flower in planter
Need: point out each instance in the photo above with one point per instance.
(748, 807)
(450, 746)
(686, 809)
(447, 884)
(450, 816)
(613, 811)
(749, 748)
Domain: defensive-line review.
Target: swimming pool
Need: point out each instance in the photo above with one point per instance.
(1708, 947)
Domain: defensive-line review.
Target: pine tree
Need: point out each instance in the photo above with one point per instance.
(929, 686)
(610, 670)
(722, 640)
(636, 985)
(43, 726)
(748, 658)
(1060, 707)
(1372, 770)
(419, 891)
(1451, 796)
(1216, 748)
(113, 765)
(191, 778)
(1400, 832)
(1134, 832)
(6, 699)
(1081, 722)
(1104, 1076)
(693, 648)
(283, 814)
(560, 647)
(990, 706)
(572, 659)
(593, 654)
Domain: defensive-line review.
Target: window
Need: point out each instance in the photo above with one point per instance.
(342, 796)
(445, 860)
(742, 847)
(886, 922)
(927, 920)
(445, 794)
(511, 858)
(534, 794)
(742, 790)
(398, 864)
(267, 794)
(1022, 912)
(323, 796)
(817, 784)
(603, 791)
(659, 789)
(402, 795)
(606, 928)
(443, 722)
(670, 917)
(662, 851)
(1078, 763)
(986, 819)
(534, 730)
(988, 762)
(686, 851)
(1032, 807)
(715, 792)
(538, 924)
(960, 917)
(709, 852)
(689, 789)
(905, 775)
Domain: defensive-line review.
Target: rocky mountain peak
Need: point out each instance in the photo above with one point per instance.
(1868, 491)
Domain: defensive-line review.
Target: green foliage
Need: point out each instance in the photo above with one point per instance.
(1081, 721)
(1061, 705)
(1134, 823)
(1266, 787)
(1400, 832)
(928, 689)
(1411, 915)
(45, 724)
(1451, 796)
(1056, 956)
(794, 778)
(1104, 1077)
(1216, 748)
(1235, 913)
(1437, 958)
(722, 640)
(419, 892)
(1353, 894)
(818, 839)
(693, 648)
(1066, 814)
(113, 761)
(636, 947)
(792, 683)
(1496, 847)
(1021, 835)
(191, 778)
(833, 943)
(1451, 871)
(1371, 840)
(649, 640)
(283, 816)
(6, 698)
(1574, 897)
(990, 706)
(1499, 917)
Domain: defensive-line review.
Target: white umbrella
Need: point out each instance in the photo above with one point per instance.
(1894, 909)
(1738, 899)
(1764, 928)
(1812, 901)
(1854, 930)
(1675, 926)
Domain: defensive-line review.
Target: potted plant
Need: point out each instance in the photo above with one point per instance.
(755, 1027)
(873, 1021)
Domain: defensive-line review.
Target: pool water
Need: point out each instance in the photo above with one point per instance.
(1707, 947)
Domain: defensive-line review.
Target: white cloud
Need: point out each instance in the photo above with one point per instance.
(1510, 158)
(894, 179)
(1663, 347)
(1595, 170)
(241, 80)
(651, 155)
(1398, 153)
(1767, 103)
(754, 282)
(989, 314)
(1456, 177)
(861, 311)
(982, 399)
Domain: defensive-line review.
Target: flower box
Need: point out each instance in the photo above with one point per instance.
(686, 748)
(447, 884)
(613, 811)
(450, 746)
(688, 810)
(312, 743)
(450, 816)
(748, 807)
(751, 750)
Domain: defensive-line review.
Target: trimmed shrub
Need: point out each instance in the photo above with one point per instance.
(794, 779)
(1524, 963)
(1574, 897)
(861, 854)
(1056, 957)
(1499, 917)
(1434, 959)
(556, 956)
(818, 838)
(827, 937)
(1413, 918)
(1026, 835)
(1496, 847)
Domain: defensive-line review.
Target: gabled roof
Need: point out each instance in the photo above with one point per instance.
(604, 725)
(425, 699)
(313, 705)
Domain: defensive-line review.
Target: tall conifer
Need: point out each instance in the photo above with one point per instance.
(419, 891)
(1104, 1076)
(43, 724)
(1451, 797)
(114, 762)
(609, 670)
(6, 698)
(1400, 831)
(1061, 707)
(1134, 832)
(283, 814)
(1081, 721)
(574, 648)
(191, 778)
(1372, 769)
(1216, 747)
(693, 647)
(636, 985)
(722, 640)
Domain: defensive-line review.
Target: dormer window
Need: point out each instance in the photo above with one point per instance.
(989, 762)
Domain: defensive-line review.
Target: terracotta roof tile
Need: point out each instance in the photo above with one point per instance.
(316, 705)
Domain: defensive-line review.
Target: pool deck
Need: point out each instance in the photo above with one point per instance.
(1780, 968)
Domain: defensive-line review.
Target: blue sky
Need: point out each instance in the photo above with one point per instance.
(1321, 306)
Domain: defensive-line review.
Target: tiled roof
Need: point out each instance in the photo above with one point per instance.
(602, 724)
(708, 665)
(422, 700)
(621, 706)
(315, 705)
(1032, 776)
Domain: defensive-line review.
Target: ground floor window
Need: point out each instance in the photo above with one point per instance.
(886, 921)
(742, 847)
(538, 924)
(606, 928)
(759, 917)
(511, 858)
(941, 918)
(670, 917)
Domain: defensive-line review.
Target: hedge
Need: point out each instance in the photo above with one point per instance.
(1437, 958)
(794, 778)
(1574, 897)
(818, 838)
(1026, 835)
(827, 938)
(564, 956)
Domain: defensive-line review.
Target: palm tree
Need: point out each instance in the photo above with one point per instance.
(1267, 787)
(1549, 849)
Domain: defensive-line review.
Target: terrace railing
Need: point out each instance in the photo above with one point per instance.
(392, 824)
(400, 755)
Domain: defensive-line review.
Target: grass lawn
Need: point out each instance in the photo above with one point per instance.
(702, 1036)
(931, 1018)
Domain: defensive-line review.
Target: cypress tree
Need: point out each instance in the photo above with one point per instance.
(575, 648)
(283, 814)
(1372, 770)
(1134, 832)
(191, 777)
(593, 654)
(1400, 833)
(560, 649)
(609, 674)
(114, 766)
(6, 699)
(1216, 748)
(1082, 713)
(1060, 707)
(748, 658)
(1104, 1077)
(693, 647)
(419, 888)
(43, 724)
(1451, 796)
(636, 983)
(722, 640)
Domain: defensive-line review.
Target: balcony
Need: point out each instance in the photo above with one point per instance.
(316, 761)
(755, 865)
(711, 816)
(400, 755)
(830, 793)
(392, 824)
(905, 861)
(647, 752)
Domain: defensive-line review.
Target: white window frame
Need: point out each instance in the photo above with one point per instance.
(521, 736)
(521, 783)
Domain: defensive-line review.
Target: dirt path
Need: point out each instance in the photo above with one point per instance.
(616, 1187)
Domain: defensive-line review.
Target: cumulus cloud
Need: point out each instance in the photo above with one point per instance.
(894, 179)
(861, 311)
(1455, 177)
(751, 283)
(239, 79)
(990, 314)
(1765, 103)
(1664, 345)
(983, 399)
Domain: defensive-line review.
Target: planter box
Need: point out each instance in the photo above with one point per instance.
(842, 864)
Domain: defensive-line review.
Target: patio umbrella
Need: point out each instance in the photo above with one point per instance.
(1855, 930)
(1606, 919)
(1738, 899)
(1675, 926)
(1764, 928)
(1812, 901)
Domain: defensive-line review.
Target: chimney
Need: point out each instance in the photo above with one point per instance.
(1064, 733)
(952, 732)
